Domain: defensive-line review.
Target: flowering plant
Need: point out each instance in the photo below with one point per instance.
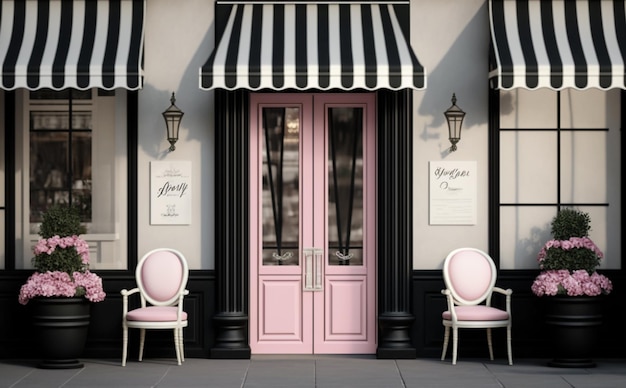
(569, 260)
(62, 260)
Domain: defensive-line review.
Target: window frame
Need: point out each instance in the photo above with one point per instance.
(132, 135)
(494, 152)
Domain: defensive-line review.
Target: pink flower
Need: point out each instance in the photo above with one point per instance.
(47, 284)
(577, 242)
(56, 283)
(54, 278)
(577, 283)
(591, 289)
(92, 285)
(553, 244)
(601, 281)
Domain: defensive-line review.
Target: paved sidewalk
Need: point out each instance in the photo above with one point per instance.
(313, 371)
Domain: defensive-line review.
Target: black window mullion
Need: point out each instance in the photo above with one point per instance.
(9, 183)
(558, 149)
(70, 153)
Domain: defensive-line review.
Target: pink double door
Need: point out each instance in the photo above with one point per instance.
(312, 223)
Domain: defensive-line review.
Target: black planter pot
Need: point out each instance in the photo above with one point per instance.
(61, 326)
(573, 323)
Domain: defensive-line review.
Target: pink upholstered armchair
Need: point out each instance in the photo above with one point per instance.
(161, 280)
(470, 277)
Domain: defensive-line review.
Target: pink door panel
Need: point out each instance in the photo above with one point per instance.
(347, 309)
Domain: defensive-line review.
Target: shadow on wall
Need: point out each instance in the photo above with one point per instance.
(528, 248)
(463, 70)
(197, 123)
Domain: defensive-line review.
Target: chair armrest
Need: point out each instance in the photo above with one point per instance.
(125, 293)
(508, 292)
(450, 301)
(180, 304)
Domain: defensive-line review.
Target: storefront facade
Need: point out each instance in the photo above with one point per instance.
(312, 137)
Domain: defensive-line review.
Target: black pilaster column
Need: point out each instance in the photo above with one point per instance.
(395, 231)
(231, 225)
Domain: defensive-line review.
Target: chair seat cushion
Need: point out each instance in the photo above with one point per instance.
(155, 314)
(477, 313)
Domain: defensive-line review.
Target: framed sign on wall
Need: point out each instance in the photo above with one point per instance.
(170, 193)
(452, 193)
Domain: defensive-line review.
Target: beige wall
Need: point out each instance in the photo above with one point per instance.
(451, 39)
(179, 37)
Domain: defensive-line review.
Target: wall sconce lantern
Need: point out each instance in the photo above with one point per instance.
(172, 117)
(454, 116)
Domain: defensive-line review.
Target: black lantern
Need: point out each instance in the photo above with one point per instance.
(454, 116)
(172, 117)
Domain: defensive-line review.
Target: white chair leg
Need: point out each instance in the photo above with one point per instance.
(177, 345)
(182, 345)
(508, 344)
(490, 344)
(455, 343)
(124, 344)
(446, 339)
(142, 340)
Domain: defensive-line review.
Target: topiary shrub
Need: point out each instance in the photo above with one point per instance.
(61, 220)
(570, 223)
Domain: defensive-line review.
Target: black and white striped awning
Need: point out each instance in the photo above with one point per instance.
(77, 44)
(558, 44)
(313, 46)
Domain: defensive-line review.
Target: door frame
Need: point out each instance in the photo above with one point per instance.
(395, 299)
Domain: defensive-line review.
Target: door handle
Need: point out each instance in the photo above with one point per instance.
(312, 270)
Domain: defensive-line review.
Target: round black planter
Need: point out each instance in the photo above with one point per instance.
(61, 326)
(573, 323)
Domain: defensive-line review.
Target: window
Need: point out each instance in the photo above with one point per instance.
(60, 159)
(71, 149)
(558, 149)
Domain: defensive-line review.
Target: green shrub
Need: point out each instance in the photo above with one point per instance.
(570, 223)
(61, 220)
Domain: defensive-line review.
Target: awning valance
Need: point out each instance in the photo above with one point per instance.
(71, 44)
(312, 46)
(558, 44)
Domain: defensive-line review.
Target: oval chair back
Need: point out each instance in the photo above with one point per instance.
(162, 275)
(470, 275)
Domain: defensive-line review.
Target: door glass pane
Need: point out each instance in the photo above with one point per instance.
(281, 186)
(345, 186)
